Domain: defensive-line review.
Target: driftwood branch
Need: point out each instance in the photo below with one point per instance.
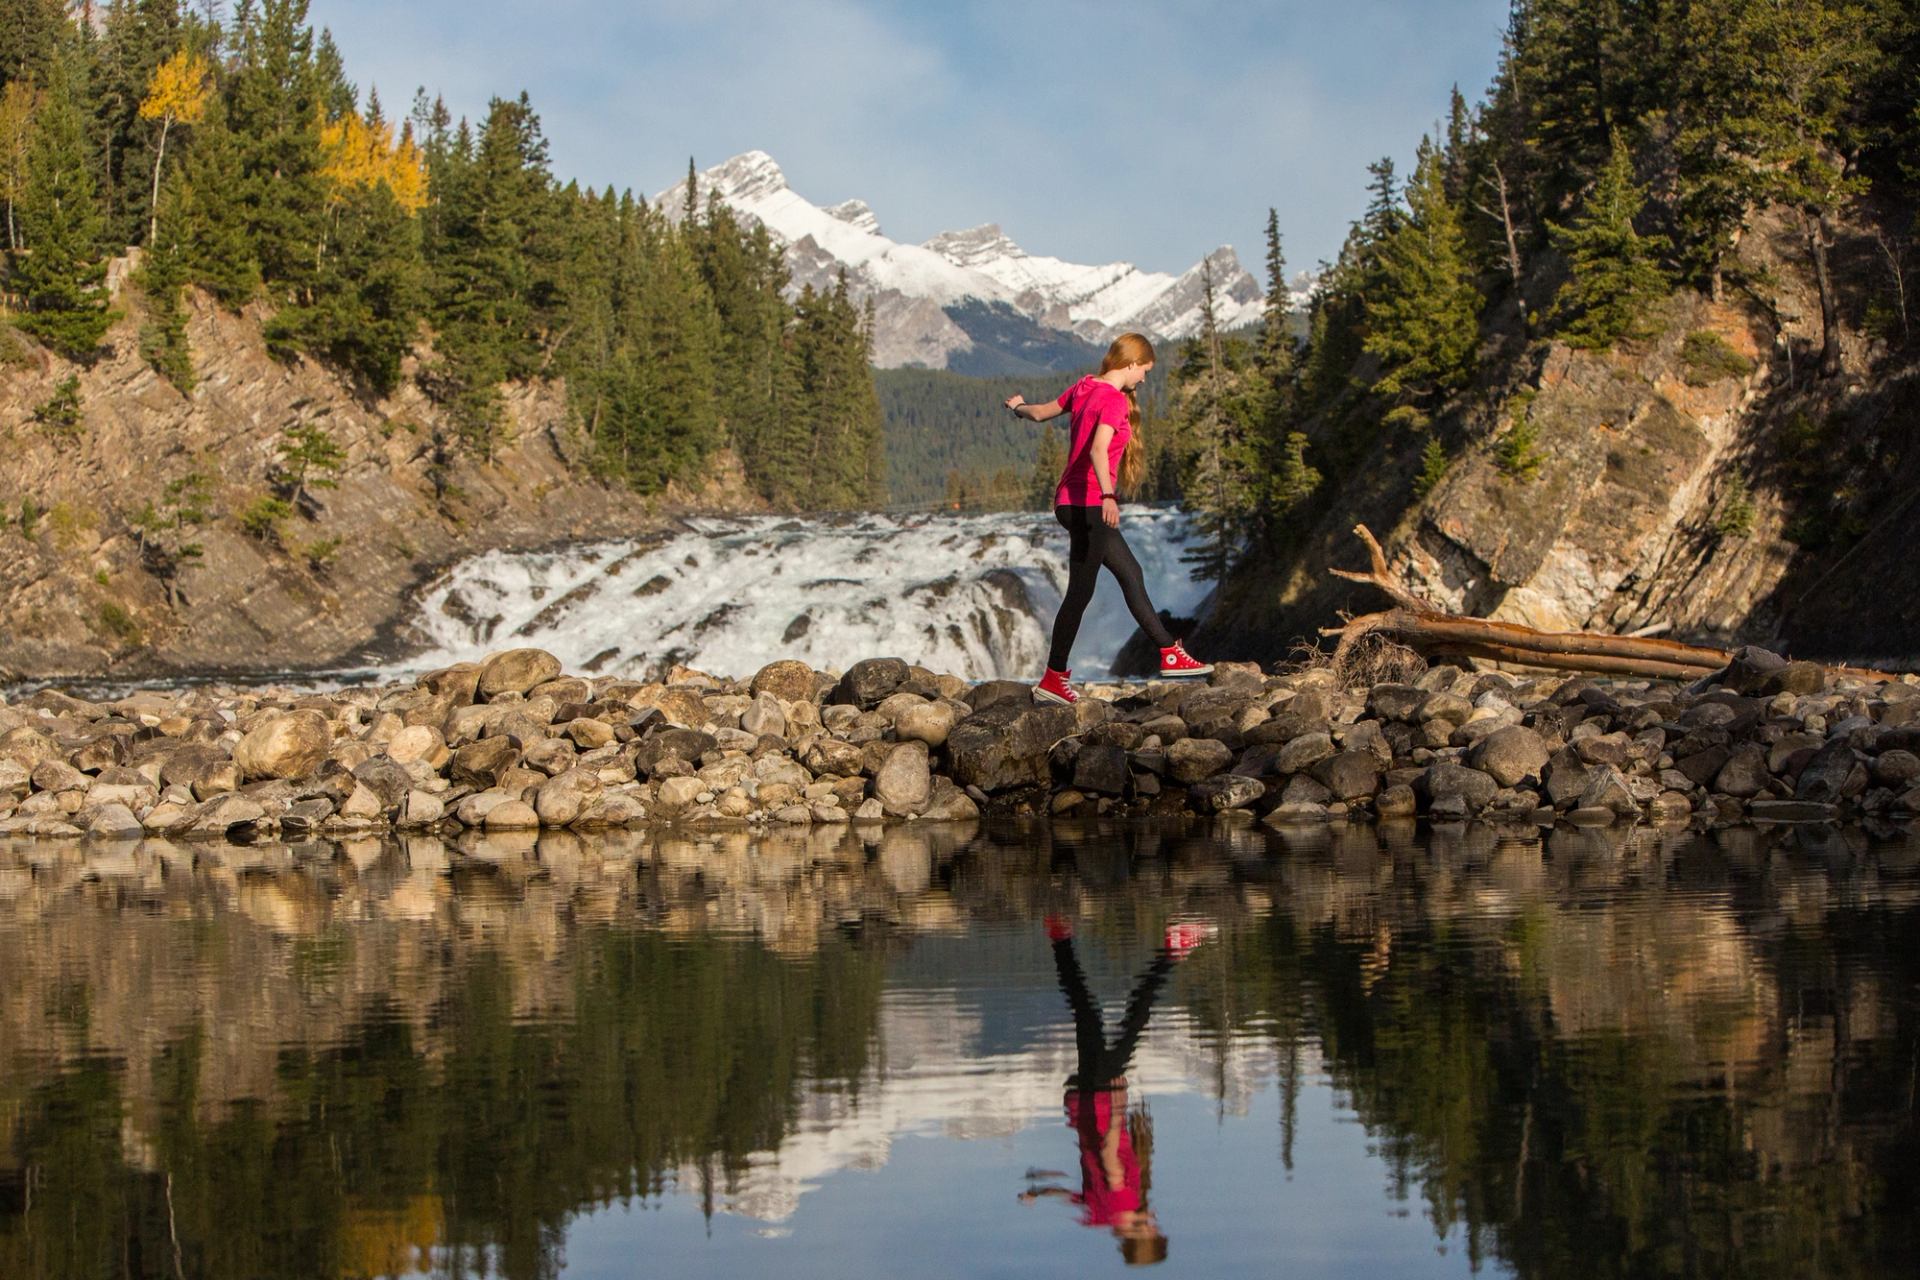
(1437, 633)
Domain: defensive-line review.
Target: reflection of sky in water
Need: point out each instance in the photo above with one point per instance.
(946, 1206)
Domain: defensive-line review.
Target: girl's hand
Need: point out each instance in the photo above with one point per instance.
(1110, 512)
(1015, 400)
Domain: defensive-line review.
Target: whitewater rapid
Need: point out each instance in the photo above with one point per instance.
(970, 594)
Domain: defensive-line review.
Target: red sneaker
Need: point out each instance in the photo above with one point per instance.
(1176, 661)
(1059, 928)
(1184, 936)
(1053, 687)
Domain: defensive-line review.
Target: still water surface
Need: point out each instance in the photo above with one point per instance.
(1393, 1052)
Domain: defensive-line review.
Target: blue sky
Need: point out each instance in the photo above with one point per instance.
(1144, 130)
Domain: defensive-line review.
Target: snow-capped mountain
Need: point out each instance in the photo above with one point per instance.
(971, 300)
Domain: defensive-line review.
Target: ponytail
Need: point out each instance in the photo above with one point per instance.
(1130, 348)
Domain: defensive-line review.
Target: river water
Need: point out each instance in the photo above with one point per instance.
(1383, 1052)
(973, 595)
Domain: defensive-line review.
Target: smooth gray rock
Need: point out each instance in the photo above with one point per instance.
(904, 784)
(1224, 792)
(1511, 756)
(1447, 781)
(1192, 760)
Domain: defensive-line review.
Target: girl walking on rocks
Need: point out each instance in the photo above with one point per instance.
(1103, 446)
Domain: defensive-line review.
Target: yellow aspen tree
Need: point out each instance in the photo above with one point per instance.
(16, 134)
(177, 94)
(360, 154)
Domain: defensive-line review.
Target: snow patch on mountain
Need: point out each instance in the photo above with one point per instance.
(916, 287)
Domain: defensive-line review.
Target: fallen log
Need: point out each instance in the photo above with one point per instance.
(1436, 633)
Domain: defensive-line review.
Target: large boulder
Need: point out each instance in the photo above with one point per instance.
(904, 784)
(1453, 783)
(788, 680)
(1227, 791)
(1007, 744)
(562, 798)
(1102, 768)
(869, 682)
(484, 763)
(285, 746)
(1834, 773)
(686, 745)
(1512, 755)
(1350, 775)
(516, 671)
(1193, 759)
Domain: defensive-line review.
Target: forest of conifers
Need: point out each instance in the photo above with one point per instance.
(239, 156)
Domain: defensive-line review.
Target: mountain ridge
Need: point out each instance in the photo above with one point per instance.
(917, 288)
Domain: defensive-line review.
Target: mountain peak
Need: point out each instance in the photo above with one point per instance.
(975, 245)
(855, 213)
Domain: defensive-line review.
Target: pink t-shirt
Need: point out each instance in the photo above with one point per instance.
(1101, 1201)
(1091, 402)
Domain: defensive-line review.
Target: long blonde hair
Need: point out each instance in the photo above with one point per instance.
(1130, 348)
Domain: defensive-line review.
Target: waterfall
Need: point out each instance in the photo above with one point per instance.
(974, 595)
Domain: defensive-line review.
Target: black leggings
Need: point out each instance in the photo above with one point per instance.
(1101, 1061)
(1090, 545)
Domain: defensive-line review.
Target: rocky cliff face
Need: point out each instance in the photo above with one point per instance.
(1705, 482)
(80, 596)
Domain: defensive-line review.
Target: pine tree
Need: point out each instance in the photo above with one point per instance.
(163, 275)
(274, 112)
(208, 204)
(137, 39)
(1043, 486)
(1219, 431)
(34, 31)
(1423, 315)
(1615, 279)
(62, 270)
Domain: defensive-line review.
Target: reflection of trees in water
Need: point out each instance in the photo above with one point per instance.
(1602, 1054)
(1608, 1056)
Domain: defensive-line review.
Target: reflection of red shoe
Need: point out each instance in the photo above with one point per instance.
(1176, 661)
(1059, 928)
(1185, 935)
(1053, 687)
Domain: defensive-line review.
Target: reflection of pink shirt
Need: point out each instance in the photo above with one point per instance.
(1102, 1202)
(1091, 402)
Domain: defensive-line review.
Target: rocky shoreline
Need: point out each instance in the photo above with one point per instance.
(512, 743)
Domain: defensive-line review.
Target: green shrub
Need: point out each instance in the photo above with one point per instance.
(1433, 468)
(263, 517)
(119, 623)
(30, 513)
(60, 413)
(1515, 452)
(1708, 359)
(1733, 514)
(320, 555)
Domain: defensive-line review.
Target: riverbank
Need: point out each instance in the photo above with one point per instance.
(513, 743)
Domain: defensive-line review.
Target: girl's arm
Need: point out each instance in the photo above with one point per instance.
(1034, 412)
(1103, 472)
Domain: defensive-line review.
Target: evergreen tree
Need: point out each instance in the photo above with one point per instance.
(207, 202)
(137, 39)
(274, 112)
(163, 275)
(1217, 412)
(1615, 279)
(61, 273)
(491, 283)
(34, 30)
(1423, 316)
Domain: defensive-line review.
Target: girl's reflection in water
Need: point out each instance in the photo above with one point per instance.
(1116, 1140)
